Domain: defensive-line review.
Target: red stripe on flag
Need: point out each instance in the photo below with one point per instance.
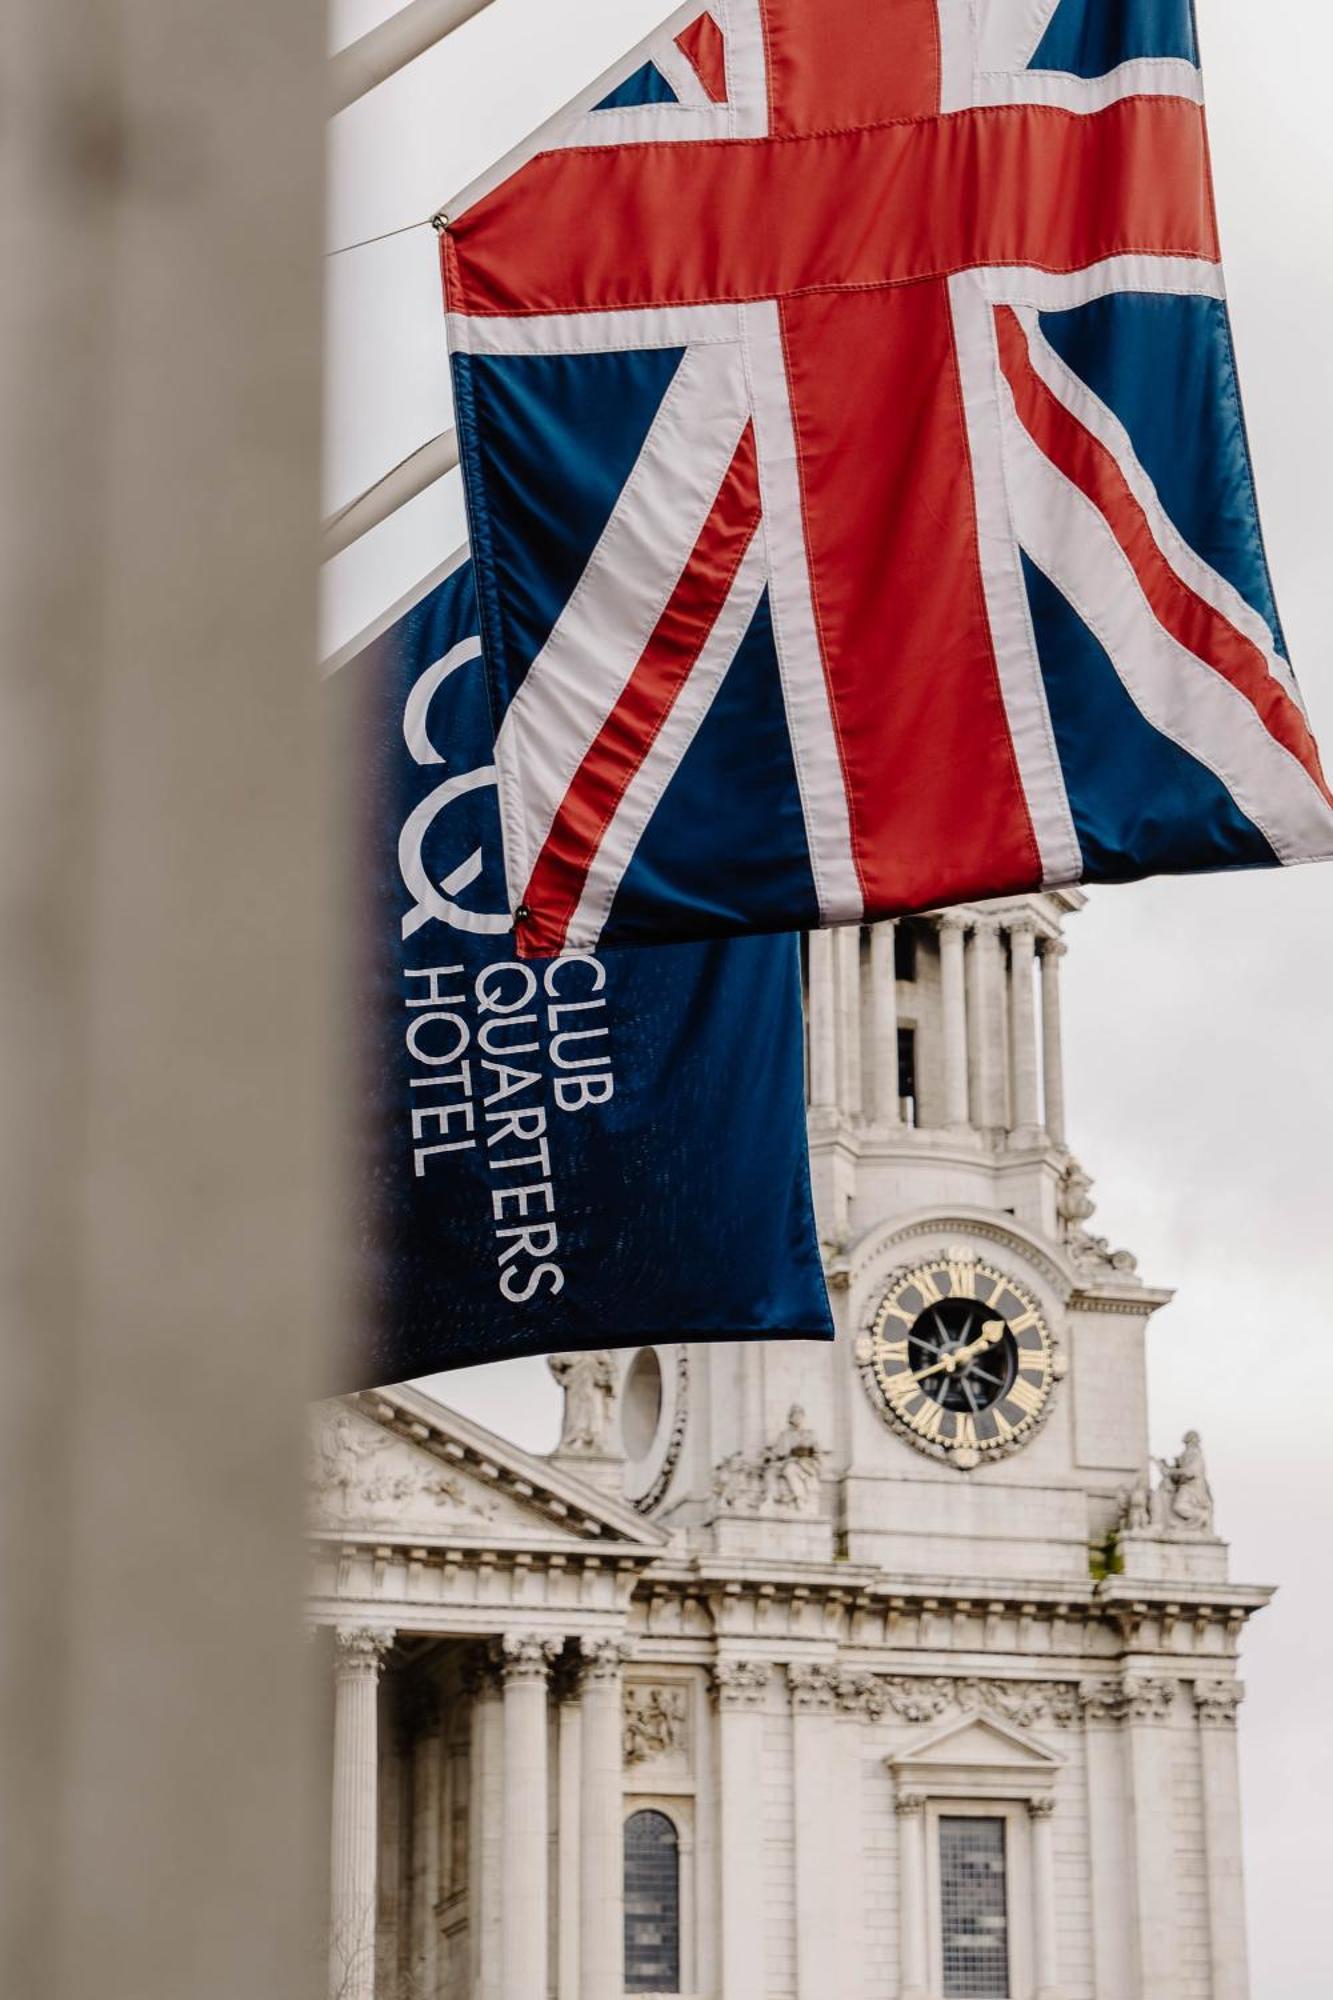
(1191, 622)
(703, 49)
(595, 228)
(835, 63)
(644, 703)
(938, 809)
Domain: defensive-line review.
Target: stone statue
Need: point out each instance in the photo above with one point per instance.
(1179, 1505)
(1186, 1496)
(793, 1462)
(1137, 1506)
(589, 1383)
(1075, 1206)
(783, 1480)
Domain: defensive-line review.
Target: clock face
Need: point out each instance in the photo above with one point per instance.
(959, 1359)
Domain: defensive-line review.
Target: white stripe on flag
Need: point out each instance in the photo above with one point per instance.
(958, 53)
(644, 792)
(1021, 685)
(576, 679)
(1057, 291)
(1188, 701)
(819, 772)
(1107, 428)
(632, 329)
(1155, 77)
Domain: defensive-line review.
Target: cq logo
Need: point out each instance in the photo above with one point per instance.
(430, 899)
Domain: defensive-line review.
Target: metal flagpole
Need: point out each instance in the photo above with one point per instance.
(411, 476)
(396, 42)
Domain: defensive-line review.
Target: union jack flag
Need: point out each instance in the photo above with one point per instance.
(859, 492)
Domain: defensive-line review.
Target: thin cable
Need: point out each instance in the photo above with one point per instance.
(405, 230)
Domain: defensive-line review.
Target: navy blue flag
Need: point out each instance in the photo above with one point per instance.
(577, 1152)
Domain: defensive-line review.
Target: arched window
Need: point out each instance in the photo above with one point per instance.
(652, 1904)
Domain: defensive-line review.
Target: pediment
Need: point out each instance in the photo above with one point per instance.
(980, 1740)
(400, 1467)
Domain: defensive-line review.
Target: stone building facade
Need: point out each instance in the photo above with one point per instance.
(886, 1670)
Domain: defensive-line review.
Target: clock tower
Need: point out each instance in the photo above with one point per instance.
(959, 1492)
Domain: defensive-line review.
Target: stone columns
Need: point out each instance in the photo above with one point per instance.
(985, 1024)
(953, 1017)
(525, 1664)
(847, 963)
(814, 1806)
(739, 1687)
(485, 1829)
(426, 1844)
(1216, 1702)
(569, 1857)
(822, 1010)
(1045, 1942)
(884, 1015)
(1023, 1031)
(1148, 1702)
(359, 1657)
(912, 1925)
(1052, 1041)
(601, 1823)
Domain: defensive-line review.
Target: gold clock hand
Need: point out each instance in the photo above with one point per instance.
(945, 1364)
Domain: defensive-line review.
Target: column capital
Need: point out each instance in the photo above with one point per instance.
(1148, 1697)
(527, 1656)
(910, 1805)
(1022, 927)
(1053, 947)
(1217, 1701)
(951, 921)
(1041, 1805)
(986, 926)
(739, 1684)
(359, 1651)
(814, 1687)
(601, 1660)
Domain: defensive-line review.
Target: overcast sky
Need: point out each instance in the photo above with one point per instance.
(1197, 1013)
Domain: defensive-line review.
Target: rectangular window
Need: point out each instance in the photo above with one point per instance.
(907, 1073)
(904, 950)
(974, 1909)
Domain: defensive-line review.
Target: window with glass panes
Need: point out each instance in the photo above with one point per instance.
(974, 1909)
(652, 1904)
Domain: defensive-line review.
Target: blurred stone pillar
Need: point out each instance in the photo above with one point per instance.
(166, 1235)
